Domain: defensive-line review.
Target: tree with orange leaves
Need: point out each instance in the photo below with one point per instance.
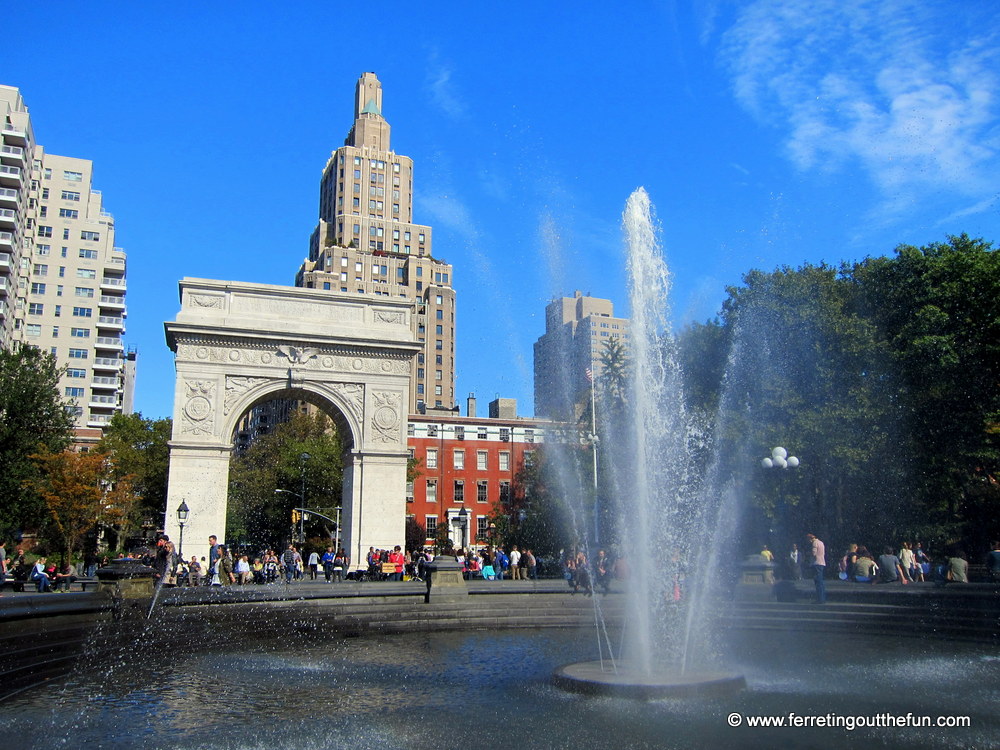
(80, 490)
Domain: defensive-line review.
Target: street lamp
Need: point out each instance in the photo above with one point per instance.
(779, 459)
(182, 514)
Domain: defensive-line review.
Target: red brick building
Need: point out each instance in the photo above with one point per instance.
(467, 462)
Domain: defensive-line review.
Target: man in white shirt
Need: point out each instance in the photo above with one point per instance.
(515, 559)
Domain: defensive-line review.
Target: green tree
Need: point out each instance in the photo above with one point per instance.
(139, 447)
(937, 308)
(33, 418)
(256, 513)
(811, 375)
(81, 490)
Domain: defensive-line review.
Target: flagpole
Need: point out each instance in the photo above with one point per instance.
(593, 444)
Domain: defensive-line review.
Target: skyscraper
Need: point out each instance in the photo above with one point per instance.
(576, 329)
(70, 277)
(366, 244)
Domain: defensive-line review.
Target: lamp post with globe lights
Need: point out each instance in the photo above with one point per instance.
(779, 459)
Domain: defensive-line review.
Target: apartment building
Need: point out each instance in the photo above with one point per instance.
(69, 288)
(576, 329)
(366, 244)
(17, 146)
(468, 463)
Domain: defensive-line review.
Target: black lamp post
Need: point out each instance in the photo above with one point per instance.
(182, 514)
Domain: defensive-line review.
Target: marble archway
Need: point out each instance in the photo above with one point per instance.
(236, 344)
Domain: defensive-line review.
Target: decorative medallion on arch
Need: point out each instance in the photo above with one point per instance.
(237, 343)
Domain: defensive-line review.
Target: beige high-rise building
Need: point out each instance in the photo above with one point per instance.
(17, 144)
(576, 329)
(69, 296)
(366, 244)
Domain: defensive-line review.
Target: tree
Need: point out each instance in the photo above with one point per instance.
(937, 308)
(81, 490)
(256, 513)
(139, 447)
(33, 418)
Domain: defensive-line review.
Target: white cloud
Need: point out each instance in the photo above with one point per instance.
(443, 90)
(899, 87)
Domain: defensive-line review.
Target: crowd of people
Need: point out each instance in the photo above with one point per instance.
(910, 564)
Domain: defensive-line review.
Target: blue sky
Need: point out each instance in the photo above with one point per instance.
(767, 133)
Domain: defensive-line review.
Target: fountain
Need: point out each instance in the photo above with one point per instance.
(662, 514)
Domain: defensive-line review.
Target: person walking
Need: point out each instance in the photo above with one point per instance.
(313, 565)
(818, 552)
(288, 560)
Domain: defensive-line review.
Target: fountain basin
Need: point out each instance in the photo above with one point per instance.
(600, 678)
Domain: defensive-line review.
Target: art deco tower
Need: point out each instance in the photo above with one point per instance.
(366, 244)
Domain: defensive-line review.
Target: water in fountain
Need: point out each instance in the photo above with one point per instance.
(656, 515)
(663, 516)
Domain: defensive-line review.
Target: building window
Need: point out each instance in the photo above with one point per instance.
(481, 491)
(44, 231)
(89, 254)
(75, 372)
(481, 433)
(83, 291)
(33, 330)
(43, 249)
(482, 460)
(505, 434)
(37, 288)
(432, 458)
(529, 458)
(80, 333)
(458, 459)
(36, 308)
(86, 273)
(504, 492)
(90, 236)
(83, 312)
(504, 461)
(432, 527)
(459, 490)
(78, 354)
(529, 436)
(68, 195)
(73, 176)
(432, 490)
(69, 213)
(432, 430)
(74, 392)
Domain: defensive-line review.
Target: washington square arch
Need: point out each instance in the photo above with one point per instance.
(238, 344)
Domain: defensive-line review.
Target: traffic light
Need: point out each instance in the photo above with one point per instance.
(296, 516)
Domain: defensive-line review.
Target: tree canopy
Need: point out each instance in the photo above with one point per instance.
(33, 418)
(260, 516)
(140, 450)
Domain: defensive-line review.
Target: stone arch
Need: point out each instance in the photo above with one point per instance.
(237, 344)
(339, 401)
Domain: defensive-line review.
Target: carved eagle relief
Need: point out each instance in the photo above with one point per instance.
(297, 356)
